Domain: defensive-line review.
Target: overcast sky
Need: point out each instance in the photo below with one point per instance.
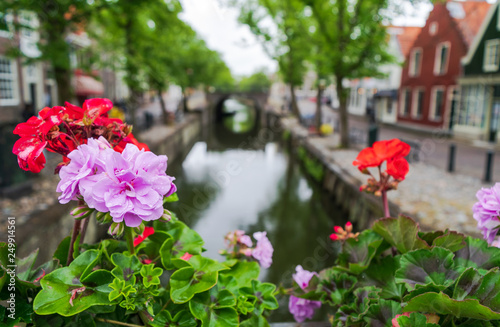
(219, 27)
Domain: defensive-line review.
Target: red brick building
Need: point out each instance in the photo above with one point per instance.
(428, 94)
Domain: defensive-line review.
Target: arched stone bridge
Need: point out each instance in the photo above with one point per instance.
(216, 100)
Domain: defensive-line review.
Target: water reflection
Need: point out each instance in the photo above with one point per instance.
(255, 190)
(240, 118)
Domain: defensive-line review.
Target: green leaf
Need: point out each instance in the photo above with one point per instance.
(62, 251)
(87, 287)
(354, 311)
(25, 265)
(358, 253)
(486, 289)
(150, 275)
(381, 314)
(126, 266)
(255, 321)
(332, 286)
(200, 276)
(382, 275)
(478, 254)
(215, 308)
(240, 275)
(441, 303)
(452, 241)
(172, 198)
(401, 232)
(181, 319)
(184, 240)
(421, 267)
(415, 320)
(264, 293)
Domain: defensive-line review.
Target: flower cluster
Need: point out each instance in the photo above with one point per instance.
(239, 245)
(341, 234)
(129, 185)
(302, 309)
(392, 152)
(63, 129)
(487, 212)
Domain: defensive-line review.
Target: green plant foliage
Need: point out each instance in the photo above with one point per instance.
(78, 280)
(395, 268)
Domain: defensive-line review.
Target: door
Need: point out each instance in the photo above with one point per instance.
(495, 115)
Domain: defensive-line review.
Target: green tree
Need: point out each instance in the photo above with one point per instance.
(57, 18)
(257, 82)
(287, 44)
(353, 36)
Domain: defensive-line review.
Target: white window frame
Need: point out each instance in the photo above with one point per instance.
(491, 67)
(432, 112)
(402, 102)
(412, 68)
(433, 28)
(414, 103)
(15, 85)
(437, 58)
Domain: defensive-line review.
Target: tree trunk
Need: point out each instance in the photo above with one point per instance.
(295, 107)
(184, 101)
(344, 118)
(64, 90)
(163, 107)
(319, 95)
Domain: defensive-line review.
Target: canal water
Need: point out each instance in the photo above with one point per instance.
(242, 176)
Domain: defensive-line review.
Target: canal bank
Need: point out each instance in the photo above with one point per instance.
(436, 199)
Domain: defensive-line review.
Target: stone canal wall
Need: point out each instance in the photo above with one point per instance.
(341, 186)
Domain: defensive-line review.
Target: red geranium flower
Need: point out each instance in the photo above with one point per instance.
(91, 111)
(380, 152)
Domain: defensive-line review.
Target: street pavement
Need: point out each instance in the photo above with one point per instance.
(434, 144)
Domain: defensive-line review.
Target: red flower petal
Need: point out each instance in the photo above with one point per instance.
(94, 108)
(398, 168)
(338, 229)
(334, 237)
(147, 232)
(29, 151)
(186, 256)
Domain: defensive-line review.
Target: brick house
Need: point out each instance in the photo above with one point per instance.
(428, 95)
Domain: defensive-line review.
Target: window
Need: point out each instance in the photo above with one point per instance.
(415, 62)
(405, 102)
(441, 59)
(433, 28)
(8, 91)
(474, 99)
(5, 25)
(491, 55)
(438, 102)
(418, 103)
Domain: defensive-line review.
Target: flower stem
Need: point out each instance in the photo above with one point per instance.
(130, 240)
(385, 202)
(76, 230)
(117, 322)
(85, 223)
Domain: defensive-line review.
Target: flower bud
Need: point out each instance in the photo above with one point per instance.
(81, 212)
(104, 217)
(167, 216)
(116, 229)
(140, 229)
